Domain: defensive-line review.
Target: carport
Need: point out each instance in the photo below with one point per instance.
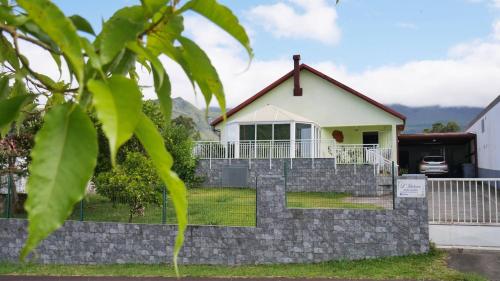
(457, 148)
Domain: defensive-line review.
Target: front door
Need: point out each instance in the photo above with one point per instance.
(370, 139)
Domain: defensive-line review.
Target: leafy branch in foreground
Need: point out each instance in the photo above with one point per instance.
(100, 77)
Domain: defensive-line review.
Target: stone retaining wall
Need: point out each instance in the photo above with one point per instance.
(282, 236)
(318, 175)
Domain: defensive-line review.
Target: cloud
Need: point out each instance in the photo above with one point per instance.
(468, 75)
(492, 3)
(299, 19)
(407, 25)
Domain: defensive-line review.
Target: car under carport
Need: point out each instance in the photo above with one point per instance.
(459, 150)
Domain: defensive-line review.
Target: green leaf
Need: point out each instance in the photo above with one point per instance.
(82, 24)
(146, 54)
(123, 63)
(94, 59)
(118, 105)
(7, 53)
(4, 87)
(57, 60)
(64, 157)
(163, 92)
(59, 28)
(223, 17)
(10, 109)
(124, 26)
(153, 143)
(153, 6)
(162, 38)
(203, 72)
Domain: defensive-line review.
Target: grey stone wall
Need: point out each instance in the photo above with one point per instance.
(282, 236)
(318, 175)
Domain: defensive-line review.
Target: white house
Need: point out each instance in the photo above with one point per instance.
(486, 126)
(307, 114)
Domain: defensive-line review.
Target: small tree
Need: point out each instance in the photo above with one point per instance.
(134, 182)
(15, 147)
(439, 127)
(178, 136)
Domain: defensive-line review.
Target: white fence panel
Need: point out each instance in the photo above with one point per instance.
(466, 201)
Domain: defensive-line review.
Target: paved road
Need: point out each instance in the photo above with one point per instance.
(47, 278)
(486, 263)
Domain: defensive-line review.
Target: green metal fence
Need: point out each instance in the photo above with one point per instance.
(319, 194)
(223, 206)
(206, 206)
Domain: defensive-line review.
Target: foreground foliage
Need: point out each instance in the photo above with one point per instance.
(98, 74)
(430, 266)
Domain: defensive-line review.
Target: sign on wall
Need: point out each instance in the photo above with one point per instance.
(411, 188)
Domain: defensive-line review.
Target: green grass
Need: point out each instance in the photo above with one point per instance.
(430, 266)
(211, 206)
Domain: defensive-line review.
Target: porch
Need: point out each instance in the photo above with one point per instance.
(355, 154)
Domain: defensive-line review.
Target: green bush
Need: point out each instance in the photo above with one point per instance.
(178, 134)
(134, 182)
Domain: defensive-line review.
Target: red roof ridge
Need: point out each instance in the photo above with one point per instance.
(318, 73)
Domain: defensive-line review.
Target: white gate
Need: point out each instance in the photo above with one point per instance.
(464, 212)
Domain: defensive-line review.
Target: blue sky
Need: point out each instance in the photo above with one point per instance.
(364, 43)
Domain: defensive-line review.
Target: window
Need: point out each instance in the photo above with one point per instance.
(303, 131)
(265, 132)
(247, 132)
(482, 125)
(281, 131)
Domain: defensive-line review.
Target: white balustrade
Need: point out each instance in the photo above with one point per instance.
(280, 149)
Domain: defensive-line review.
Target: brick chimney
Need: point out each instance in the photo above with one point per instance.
(297, 90)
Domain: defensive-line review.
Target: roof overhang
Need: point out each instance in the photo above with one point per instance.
(438, 138)
(317, 73)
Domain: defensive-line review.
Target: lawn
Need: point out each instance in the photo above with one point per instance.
(430, 266)
(212, 206)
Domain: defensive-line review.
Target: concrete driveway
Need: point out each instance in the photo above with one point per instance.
(486, 263)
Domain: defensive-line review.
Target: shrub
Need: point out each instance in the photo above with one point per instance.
(134, 182)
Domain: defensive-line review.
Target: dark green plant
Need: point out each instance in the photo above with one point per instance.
(134, 182)
(178, 138)
(439, 127)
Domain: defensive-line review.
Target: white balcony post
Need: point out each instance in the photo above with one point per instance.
(237, 150)
(292, 140)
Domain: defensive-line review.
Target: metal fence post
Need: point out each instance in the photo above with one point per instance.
(393, 187)
(256, 202)
(9, 196)
(285, 174)
(164, 206)
(81, 210)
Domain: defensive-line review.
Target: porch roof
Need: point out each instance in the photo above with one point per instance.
(271, 113)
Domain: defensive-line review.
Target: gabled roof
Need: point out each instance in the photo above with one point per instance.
(317, 73)
(272, 113)
(482, 113)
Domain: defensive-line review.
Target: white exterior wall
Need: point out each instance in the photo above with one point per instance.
(488, 142)
(325, 104)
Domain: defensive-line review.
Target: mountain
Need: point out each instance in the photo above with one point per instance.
(418, 118)
(183, 107)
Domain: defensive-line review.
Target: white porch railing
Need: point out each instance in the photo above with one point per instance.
(343, 153)
(469, 201)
